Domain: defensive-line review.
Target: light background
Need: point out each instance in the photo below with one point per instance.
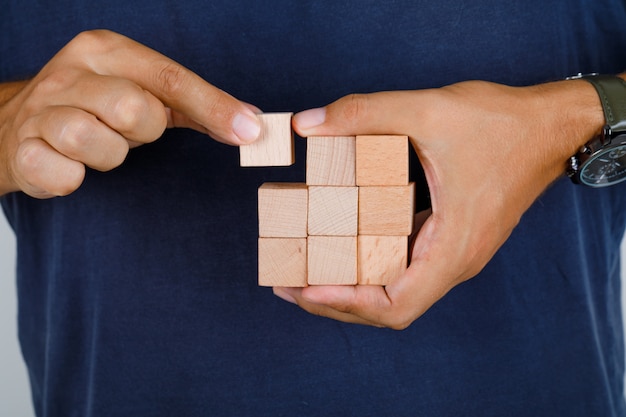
(14, 392)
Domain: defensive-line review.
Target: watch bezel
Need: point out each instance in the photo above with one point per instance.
(591, 151)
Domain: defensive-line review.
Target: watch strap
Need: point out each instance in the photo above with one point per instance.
(612, 92)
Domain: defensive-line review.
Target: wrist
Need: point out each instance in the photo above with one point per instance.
(601, 161)
(571, 114)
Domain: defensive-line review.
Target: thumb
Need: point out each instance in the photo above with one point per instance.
(359, 114)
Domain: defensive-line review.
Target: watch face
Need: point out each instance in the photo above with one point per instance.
(606, 167)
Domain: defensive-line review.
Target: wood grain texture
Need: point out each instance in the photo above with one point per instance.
(282, 262)
(381, 259)
(382, 160)
(333, 211)
(332, 260)
(274, 147)
(386, 211)
(283, 209)
(331, 160)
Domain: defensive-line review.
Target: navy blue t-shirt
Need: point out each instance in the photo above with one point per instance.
(138, 293)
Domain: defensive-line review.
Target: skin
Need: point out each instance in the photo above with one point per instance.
(90, 104)
(488, 152)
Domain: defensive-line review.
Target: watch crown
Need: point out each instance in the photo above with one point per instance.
(572, 167)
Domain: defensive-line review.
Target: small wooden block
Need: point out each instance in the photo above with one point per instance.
(283, 209)
(282, 262)
(274, 147)
(333, 211)
(382, 160)
(381, 259)
(331, 160)
(332, 260)
(386, 211)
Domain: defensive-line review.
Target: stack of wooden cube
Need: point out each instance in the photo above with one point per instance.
(348, 224)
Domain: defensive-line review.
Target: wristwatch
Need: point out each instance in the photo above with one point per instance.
(602, 160)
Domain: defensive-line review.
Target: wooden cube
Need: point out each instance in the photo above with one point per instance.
(382, 160)
(386, 211)
(282, 262)
(332, 260)
(381, 259)
(274, 147)
(283, 209)
(331, 160)
(333, 211)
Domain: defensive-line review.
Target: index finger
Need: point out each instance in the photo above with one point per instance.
(223, 116)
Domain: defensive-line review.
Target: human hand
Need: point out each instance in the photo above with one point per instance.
(488, 151)
(99, 96)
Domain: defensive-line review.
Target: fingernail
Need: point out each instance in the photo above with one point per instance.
(282, 293)
(246, 127)
(310, 118)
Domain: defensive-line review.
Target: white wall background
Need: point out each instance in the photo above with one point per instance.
(14, 394)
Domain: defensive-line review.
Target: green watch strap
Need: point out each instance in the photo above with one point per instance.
(612, 92)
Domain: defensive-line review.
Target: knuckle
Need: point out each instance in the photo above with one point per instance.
(87, 37)
(355, 107)
(137, 115)
(395, 320)
(52, 82)
(172, 80)
(28, 159)
(129, 111)
(71, 181)
(397, 317)
(400, 324)
(78, 141)
(92, 41)
(217, 107)
(36, 171)
(76, 134)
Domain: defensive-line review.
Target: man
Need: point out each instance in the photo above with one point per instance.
(137, 290)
